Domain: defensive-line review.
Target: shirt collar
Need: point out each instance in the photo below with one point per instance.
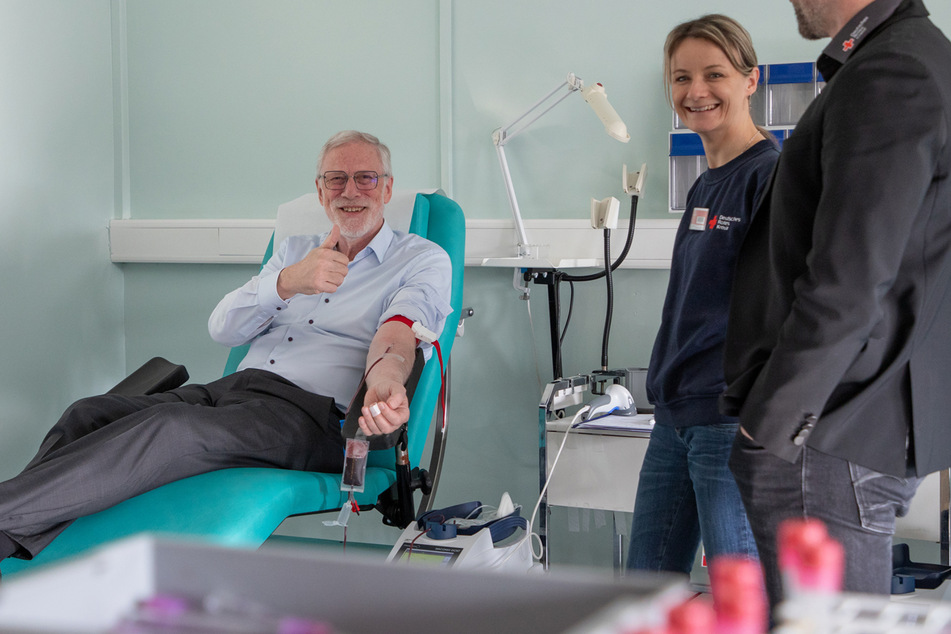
(848, 39)
(379, 244)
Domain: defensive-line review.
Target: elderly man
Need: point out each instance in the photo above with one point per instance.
(837, 358)
(324, 311)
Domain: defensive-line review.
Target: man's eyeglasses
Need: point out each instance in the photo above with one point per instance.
(336, 181)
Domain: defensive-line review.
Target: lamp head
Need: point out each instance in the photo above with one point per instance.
(597, 98)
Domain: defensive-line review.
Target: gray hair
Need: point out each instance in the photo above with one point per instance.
(352, 136)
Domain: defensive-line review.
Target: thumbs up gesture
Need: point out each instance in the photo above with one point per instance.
(321, 271)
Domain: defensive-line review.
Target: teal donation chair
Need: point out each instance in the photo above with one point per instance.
(241, 507)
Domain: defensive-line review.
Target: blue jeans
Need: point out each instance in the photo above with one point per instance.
(686, 492)
(857, 505)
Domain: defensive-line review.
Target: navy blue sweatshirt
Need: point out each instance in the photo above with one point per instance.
(685, 377)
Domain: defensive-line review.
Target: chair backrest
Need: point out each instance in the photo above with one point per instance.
(445, 225)
(427, 213)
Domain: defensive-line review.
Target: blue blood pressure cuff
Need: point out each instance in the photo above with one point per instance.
(440, 525)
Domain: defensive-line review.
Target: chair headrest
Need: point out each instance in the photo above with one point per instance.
(306, 216)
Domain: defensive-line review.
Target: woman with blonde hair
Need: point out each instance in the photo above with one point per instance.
(686, 492)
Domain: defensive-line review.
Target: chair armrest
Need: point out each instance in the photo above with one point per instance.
(154, 376)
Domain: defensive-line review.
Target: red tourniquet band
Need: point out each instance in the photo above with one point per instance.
(402, 320)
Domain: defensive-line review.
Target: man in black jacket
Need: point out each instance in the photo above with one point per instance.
(838, 353)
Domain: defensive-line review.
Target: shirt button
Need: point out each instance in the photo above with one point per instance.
(310, 321)
(326, 300)
(271, 361)
(290, 338)
(279, 308)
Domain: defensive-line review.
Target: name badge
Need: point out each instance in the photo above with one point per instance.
(698, 221)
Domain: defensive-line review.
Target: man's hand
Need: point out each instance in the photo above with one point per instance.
(389, 399)
(389, 364)
(321, 271)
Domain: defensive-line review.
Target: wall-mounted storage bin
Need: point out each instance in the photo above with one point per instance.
(687, 162)
(790, 88)
(780, 135)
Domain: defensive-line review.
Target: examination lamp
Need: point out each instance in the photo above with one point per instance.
(596, 98)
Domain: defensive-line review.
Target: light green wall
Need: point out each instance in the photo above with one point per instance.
(228, 102)
(62, 300)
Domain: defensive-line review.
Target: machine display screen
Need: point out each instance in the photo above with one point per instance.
(428, 554)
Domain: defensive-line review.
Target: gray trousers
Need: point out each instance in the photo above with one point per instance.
(108, 448)
(857, 505)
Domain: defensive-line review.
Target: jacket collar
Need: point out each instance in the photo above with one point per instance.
(862, 26)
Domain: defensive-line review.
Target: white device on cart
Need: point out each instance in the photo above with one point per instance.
(458, 537)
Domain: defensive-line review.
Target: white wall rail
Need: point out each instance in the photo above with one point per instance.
(244, 241)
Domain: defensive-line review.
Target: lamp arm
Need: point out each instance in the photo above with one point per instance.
(503, 135)
(513, 201)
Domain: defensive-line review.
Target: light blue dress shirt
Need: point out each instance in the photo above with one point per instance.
(320, 342)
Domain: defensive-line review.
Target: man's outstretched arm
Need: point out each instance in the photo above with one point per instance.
(390, 362)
